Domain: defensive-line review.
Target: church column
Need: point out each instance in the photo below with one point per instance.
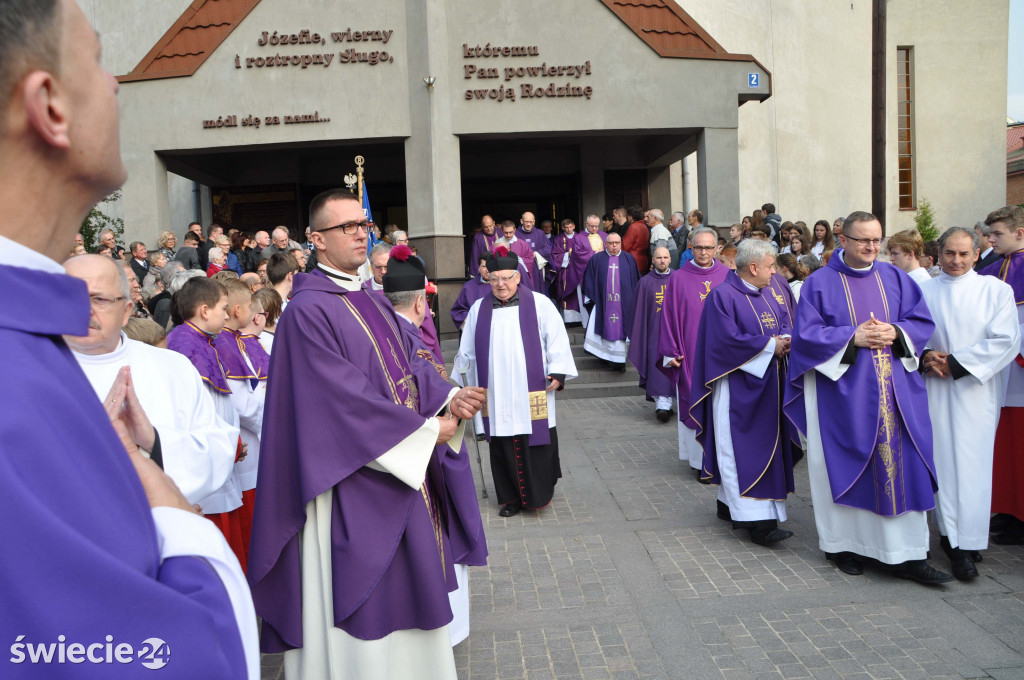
(592, 160)
(146, 200)
(718, 176)
(433, 175)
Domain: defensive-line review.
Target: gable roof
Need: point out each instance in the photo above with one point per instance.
(199, 31)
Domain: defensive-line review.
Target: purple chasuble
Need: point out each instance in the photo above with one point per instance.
(257, 355)
(201, 350)
(81, 557)
(473, 290)
(643, 346)
(735, 326)
(343, 393)
(482, 245)
(536, 380)
(687, 290)
(461, 514)
(582, 252)
(1011, 270)
(428, 333)
(523, 250)
(565, 295)
(880, 460)
(610, 282)
(541, 245)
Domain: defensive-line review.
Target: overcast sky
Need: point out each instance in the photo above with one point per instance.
(1015, 72)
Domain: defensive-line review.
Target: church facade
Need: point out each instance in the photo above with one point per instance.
(241, 110)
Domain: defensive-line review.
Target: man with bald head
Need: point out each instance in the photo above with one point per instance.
(74, 487)
(645, 333)
(609, 283)
(483, 241)
(541, 245)
(280, 243)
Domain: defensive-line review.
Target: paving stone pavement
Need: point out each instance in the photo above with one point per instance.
(629, 574)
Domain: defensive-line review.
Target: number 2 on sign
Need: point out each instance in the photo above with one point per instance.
(753, 79)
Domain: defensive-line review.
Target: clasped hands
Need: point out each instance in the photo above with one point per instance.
(874, 334)
(936, 363)
(464, 405)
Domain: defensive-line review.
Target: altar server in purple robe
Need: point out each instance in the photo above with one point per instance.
(565, 297)
(861, 325)
(1006, 235)
(610, 284)
(483, 241)
(349, 564)
(472, 290)
(101, 550)
(739, 372)
(645, 334)
(541, 245)
(515, 346)
(976, 336)
(404, 287)
(687, 291)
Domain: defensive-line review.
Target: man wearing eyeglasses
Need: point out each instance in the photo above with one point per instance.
(860, 329)
(684, 301)
(515, 346)
(349, 562)
(609, 283)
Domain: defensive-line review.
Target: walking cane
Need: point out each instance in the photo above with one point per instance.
(479, 460)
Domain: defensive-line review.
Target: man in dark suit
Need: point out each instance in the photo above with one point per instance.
(138, 262)
(988, 255)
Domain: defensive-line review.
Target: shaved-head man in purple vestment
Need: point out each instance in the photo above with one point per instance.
(609, 282)
(687, 291)
(643, 350)
(404, 287)
(736, 399)
(472, 290)
(483, 241)
(860, 328)
(101, 550)
(349, 562)
(541, 245)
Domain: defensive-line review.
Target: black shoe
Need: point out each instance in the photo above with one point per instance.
(846, 562)
(510, 509)
(963, 565)
(1013, 535)
(1000, 522)
(621, 368)
(663, 415)
(764, 536)
(922, 572)
(723, 511)
(480, 437)
(975, 556)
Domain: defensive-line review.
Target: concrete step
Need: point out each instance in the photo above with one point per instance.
(599, 390)
(594, 375)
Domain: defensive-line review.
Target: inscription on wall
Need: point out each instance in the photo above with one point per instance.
(285, 58)
(557, 80)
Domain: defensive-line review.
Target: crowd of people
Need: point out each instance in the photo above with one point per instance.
(250, 426)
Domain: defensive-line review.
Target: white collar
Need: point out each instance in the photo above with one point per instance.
(14, 254)
(862, 269)
(117, 355)
(343, 280)
(749, 285)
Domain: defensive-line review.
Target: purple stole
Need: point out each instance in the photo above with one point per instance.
(231, 351)
(536, 380)
(613, 329)
(257, 355)
(563, 293)
(200, 349)
(1011, 270)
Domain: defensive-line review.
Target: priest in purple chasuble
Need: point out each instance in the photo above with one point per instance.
(610, 283)
(977, 335)
(1006, 235)
(348, 545)
(739, 373)
(483, 242)
(643, 349)
(585, 245)
(100, 549)
(521, 249)
(687, 291)
(404, 287)
(515, 346)
(472, 290)
(561, 255)
(860, 327)
(541, 245)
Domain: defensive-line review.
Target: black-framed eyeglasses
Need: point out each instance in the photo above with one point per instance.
(865, 241)
(703, 247)
(349, 228)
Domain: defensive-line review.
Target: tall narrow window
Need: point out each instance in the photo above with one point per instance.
(905, 126)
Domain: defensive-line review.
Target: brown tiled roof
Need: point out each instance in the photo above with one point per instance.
(202, 27)
(1014, 137)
